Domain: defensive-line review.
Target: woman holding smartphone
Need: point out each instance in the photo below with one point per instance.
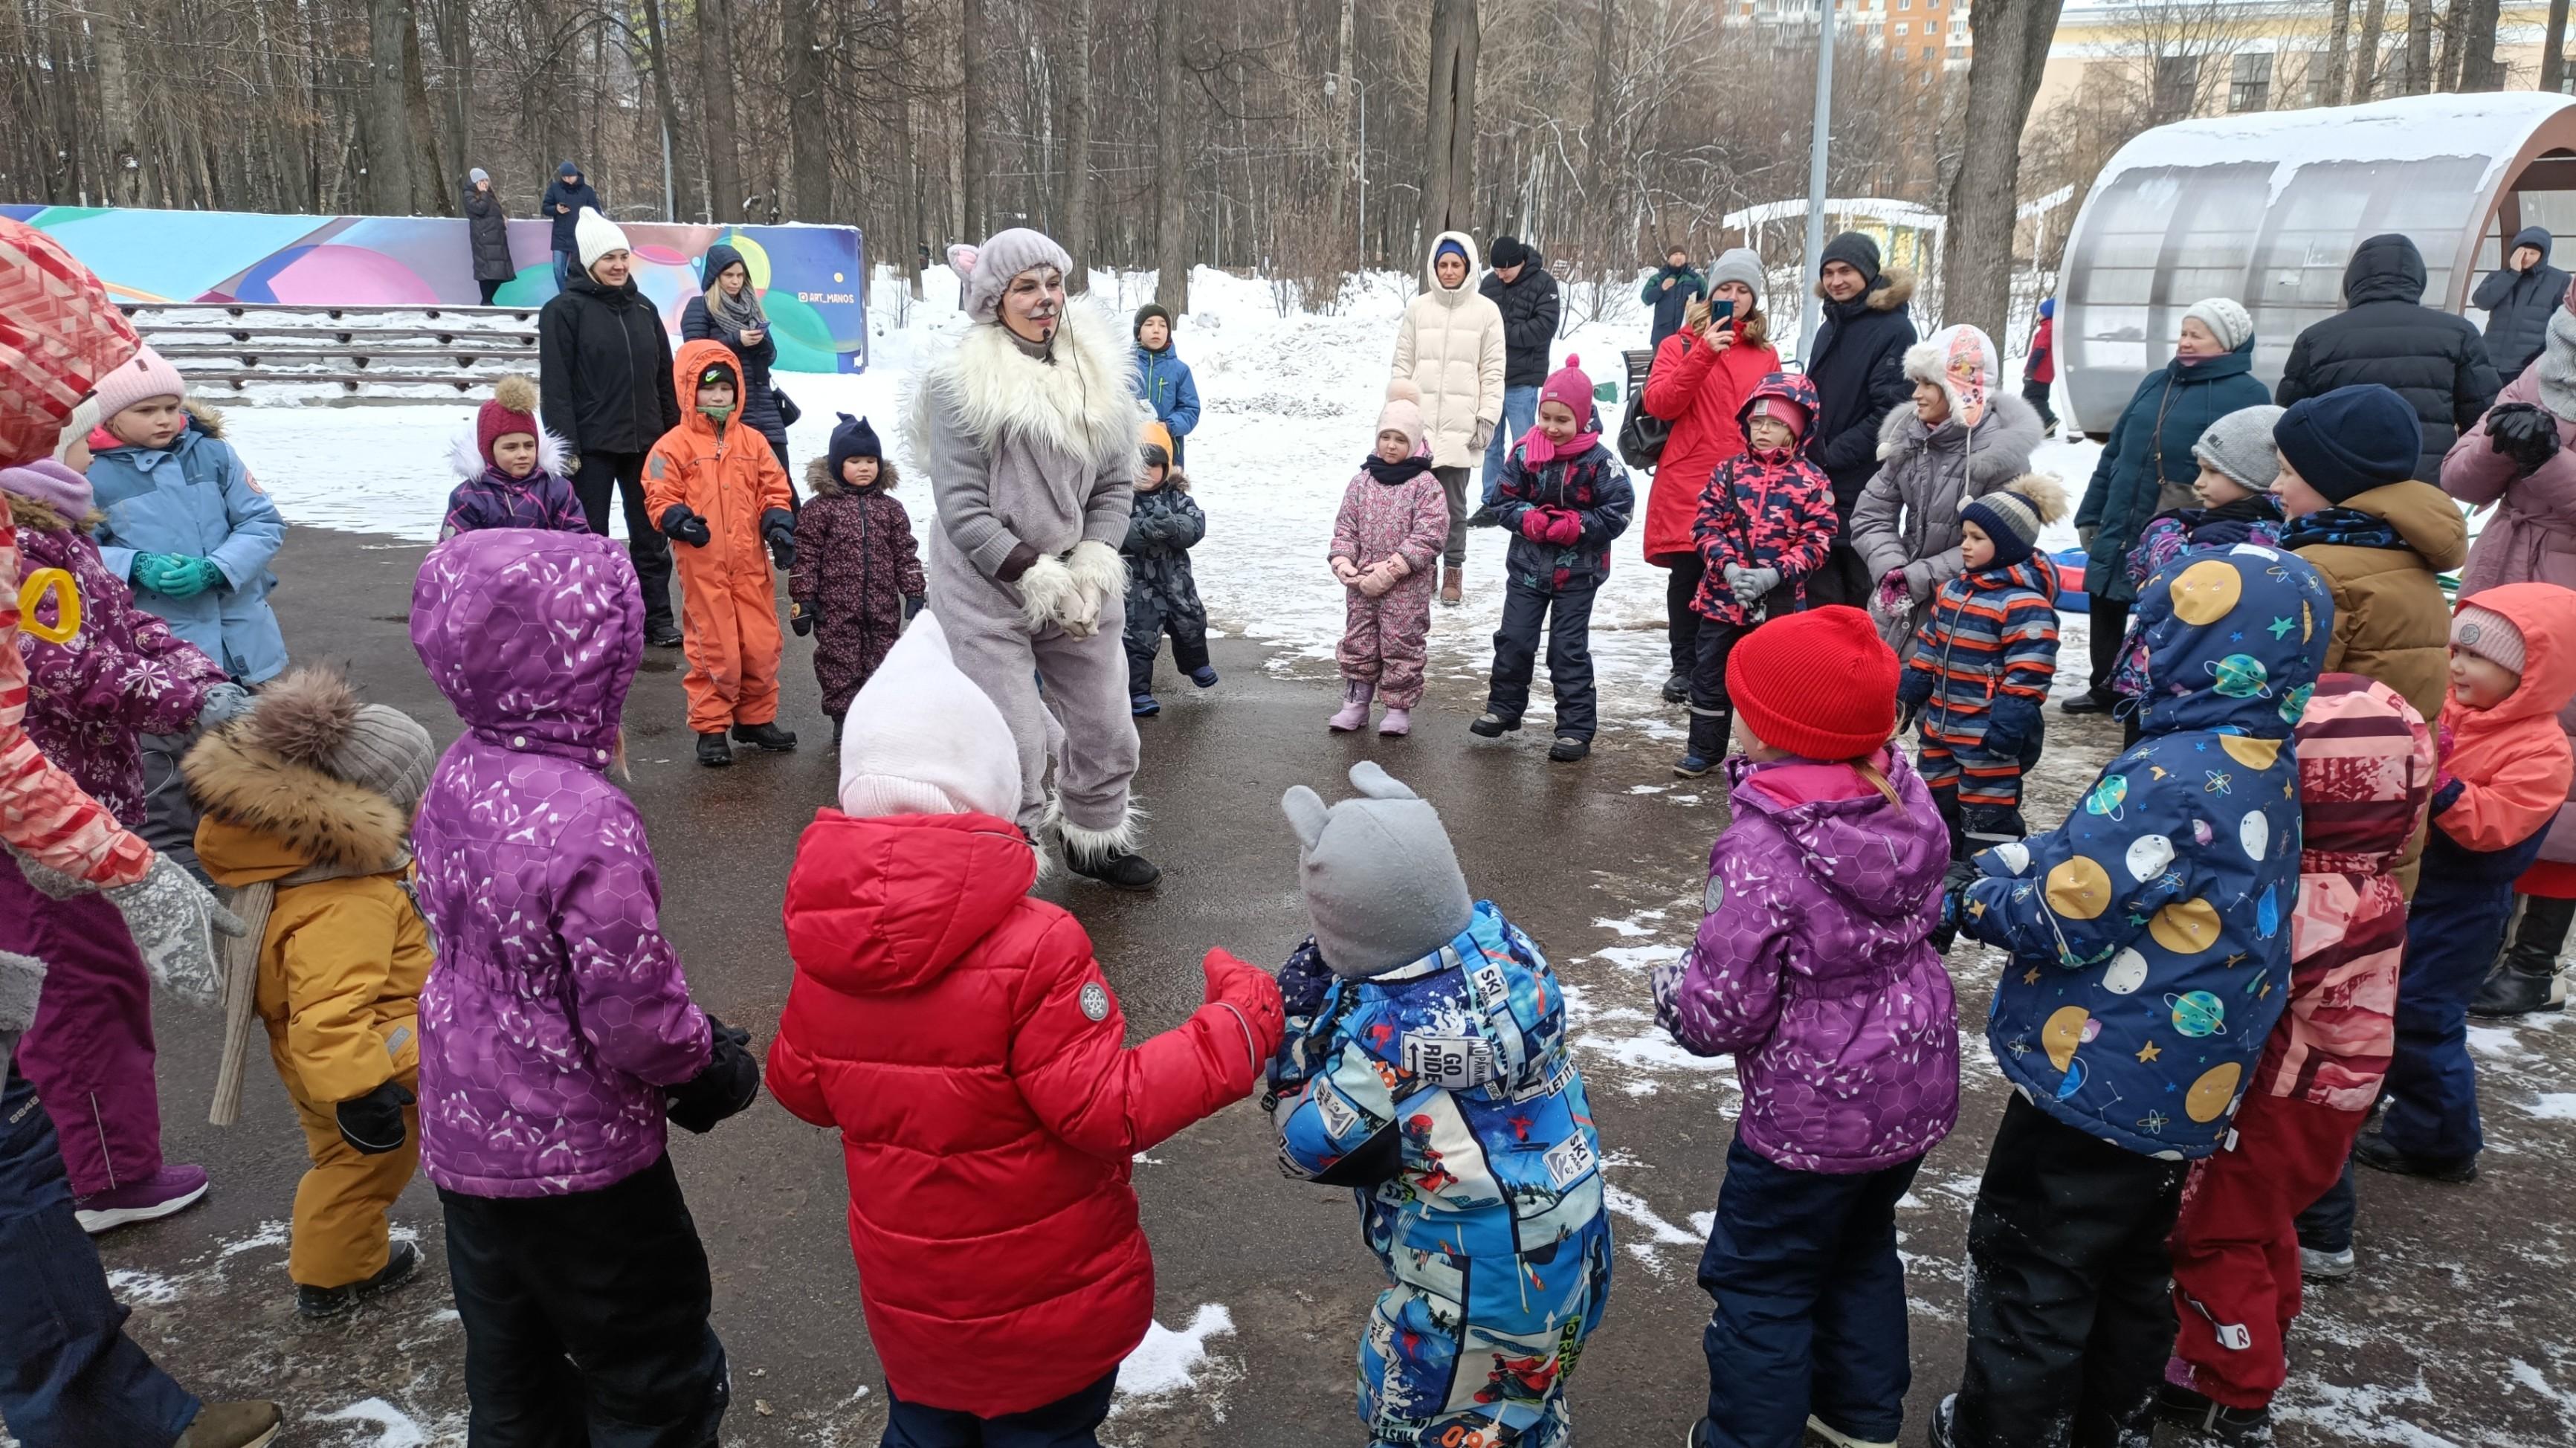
(1700, 380)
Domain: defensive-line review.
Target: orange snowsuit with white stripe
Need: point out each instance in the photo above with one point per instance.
(729, 599)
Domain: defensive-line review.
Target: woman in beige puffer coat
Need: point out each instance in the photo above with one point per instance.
(1450, 344)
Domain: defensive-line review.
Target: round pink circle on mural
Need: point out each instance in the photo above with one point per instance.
(349, 276)
(660, 256)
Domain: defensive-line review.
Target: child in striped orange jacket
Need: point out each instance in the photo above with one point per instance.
(1982, 663)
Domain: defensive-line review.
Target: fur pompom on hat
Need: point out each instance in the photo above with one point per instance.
(985, 272)
(1820, 684)
(83, 421)
(513, 408)
(1403, 411)
(1381, 880)
(1571, 386)
(2013, 515)
(922, 738)
(595, 236)
(313, 717)
(146, 376)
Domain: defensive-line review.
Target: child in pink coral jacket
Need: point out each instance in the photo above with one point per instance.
(1393, 523)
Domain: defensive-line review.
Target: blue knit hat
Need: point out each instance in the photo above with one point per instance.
(2351, 440)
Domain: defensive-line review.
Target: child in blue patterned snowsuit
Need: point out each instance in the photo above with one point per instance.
(2150, 945)
(1426, 1068)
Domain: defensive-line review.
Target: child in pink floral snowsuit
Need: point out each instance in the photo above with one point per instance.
(1393, 523)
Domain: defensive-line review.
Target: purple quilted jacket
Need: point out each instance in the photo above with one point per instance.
(556, 1012)
(1812, 967)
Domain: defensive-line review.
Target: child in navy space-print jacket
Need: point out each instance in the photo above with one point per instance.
(2150, 947)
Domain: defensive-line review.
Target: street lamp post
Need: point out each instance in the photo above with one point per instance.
(1811, 309)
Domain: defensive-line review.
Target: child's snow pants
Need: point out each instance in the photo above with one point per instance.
(1068, 1422)
(1810, 1311)
(1567, 617)
(90, 1051)
(729, 623)
(585, 1317)
(341, 1232)
(2454, 930)
(1386, 640)
(1712, 715)
(2236, 1250)
(1147, 622)
(2070, 1308)
(1978, 793)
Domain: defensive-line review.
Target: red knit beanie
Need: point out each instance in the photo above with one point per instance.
(1819, 684)
(513, 408)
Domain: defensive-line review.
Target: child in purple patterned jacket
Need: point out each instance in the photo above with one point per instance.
(1813, 970)
(510, 471)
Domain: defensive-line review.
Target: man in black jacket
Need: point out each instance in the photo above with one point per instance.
(604, 383)
(564, 200)
(2518, 298)
(2384, 334)
(1858, 367)
(1520, 286)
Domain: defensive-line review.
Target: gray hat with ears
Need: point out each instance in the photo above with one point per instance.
(1382, 884)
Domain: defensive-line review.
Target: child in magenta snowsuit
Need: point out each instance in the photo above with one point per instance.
(1393, 524)
(90, 1051)
(1813, 969)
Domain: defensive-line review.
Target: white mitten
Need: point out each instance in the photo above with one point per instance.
(1047, 590)
(1103, 576)
(174, 921)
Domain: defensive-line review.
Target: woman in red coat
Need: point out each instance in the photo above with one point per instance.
(1701, 378)
(965, 1042)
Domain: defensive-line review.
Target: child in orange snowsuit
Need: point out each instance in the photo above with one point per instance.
(716, 487)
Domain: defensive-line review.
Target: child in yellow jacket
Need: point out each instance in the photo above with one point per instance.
(307, 803)
(714, 487)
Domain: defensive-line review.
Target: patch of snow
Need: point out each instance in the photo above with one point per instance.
(2553, 1106)
(141, 1289)
(393, 1427)
(1168, 1361)
(1632, 1206)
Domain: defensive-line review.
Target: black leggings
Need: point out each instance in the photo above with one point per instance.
(2110, 625)
(1681, 621)
(491, 287)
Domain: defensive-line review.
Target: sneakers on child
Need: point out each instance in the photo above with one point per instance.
(1569, 748)
(713, 752)
(2373, 1151)
(249, 1424)
(1490, 725)
(169, 1190)
(2212, 1419)
(1204, 676)
(320, 1302)
(1397, 723)
(764, 736)
(2321, 1266)
(1144, 706)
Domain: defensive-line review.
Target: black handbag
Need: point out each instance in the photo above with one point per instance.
(1642, 435)
(788, 411)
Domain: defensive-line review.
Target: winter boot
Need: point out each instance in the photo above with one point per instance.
(2206, 1416)
(1493, 725)
(250, 1424)
(663, 636)
(1453, 584)
(764, 736)
(1144, 706)
(713, 752)
(2372, 1150)
(2526, 980)
(1709, 729)
(1119, 869)
(171, 1189)
(1204, 676)
(1677, 687)
(1569, 748)
(1356, 694)
(314, 1303)
(1820, 1431)
(838, 722)
(1397, 724)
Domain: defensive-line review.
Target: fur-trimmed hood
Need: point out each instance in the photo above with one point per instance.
(1174, 480)
(465, 458)
(39, 516)
(1894, 288)
(1080, 399)
(1998, 450)
(265, 773)
(820, 483)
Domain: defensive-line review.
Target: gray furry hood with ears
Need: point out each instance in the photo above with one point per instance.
(1895, 287)
(263, 773)
(1078, 399)
(820, 482)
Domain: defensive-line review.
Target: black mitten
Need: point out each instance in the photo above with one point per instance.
(2523, 433)
(373, 1124)
(727, 1085)
(681, 522)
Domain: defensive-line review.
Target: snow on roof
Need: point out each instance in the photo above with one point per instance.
(2409, 128)
(1874, 208)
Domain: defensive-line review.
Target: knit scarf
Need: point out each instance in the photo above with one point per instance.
(1538, 452)
(2344, 527)
(252, 903)
(740, 311)
(1400, 471)
(2556, 367)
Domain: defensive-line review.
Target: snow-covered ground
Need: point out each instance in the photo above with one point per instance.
(1291, 405)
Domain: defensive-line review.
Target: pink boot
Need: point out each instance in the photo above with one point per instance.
(1356, 695)
(1397, 723)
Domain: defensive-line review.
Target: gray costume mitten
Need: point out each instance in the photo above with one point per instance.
(22, 978)
(174, 921)
(1382, 883)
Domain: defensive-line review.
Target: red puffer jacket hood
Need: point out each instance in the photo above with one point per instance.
(967, 1046)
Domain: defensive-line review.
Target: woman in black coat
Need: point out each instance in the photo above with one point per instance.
(729, 311)
(487, 229)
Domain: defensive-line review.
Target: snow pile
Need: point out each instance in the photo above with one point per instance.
(1168, 1361)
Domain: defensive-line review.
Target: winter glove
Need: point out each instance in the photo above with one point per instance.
(1304, 981)
(2011, 723)
(779, 527)
(2523, 433)
(1533, 524)
(1347, 572)
(571, 460)
(1249, 994)
(912, 603)
(1752, 583)
(373, 1124)
(1913, 690)
(1047, 593)
(172, 918)
(1954, 892)
(798, 619)
(681, 523)
(181, 577)
(1378, 582)
(1483, 438)
(727, 1085)
(223, 704)
(1892, 598)
(2084, 536)
(22, 980)
(1103, 576)
(150, 570)
(1564, 528)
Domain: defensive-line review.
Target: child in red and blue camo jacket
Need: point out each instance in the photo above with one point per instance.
(1982, 663)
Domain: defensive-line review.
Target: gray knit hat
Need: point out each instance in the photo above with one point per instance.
(1382, 883)
(1738, 265)
(2225, 319)
(2240, 446)
(985, 272)
(312, 717)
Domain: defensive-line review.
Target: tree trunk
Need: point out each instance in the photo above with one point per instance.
(431, 195)
(2338, 53)
(1171, 169)
(456, 51)
(1449, 131)
(121, 157)
(658, 41)
(2011, 47)
(1338, 124)
(907, 162)
(2365, 55)
(717, 126)
(976, 118)
(1073, 203)
(809, 121)
(386, 122)
(2446, 68)
(2478, 68)
(1603, 161)
(2419, 46)
(2553, 48)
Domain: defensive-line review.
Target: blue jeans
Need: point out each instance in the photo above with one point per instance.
(69, 1376)
(1520, 409)
(1810, 1304)
(563, 268)
(1068, 1422)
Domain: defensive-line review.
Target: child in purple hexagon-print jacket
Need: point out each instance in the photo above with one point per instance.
(1813, 969)
(556, 1031)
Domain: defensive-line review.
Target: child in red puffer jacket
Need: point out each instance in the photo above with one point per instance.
(966, 1044)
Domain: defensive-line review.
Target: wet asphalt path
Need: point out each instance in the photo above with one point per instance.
(2466, 1309)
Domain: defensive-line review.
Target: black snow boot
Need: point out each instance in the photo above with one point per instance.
(2526, 981)
(1677, 687)
(2212, 1419)
(764, 736)
(1119, 869)
(319, 1302)
(713, 752)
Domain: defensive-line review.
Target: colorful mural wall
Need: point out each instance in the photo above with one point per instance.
(811, 278)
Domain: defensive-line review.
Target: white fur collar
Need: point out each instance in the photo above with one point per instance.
(1082, 403)
(465, 455)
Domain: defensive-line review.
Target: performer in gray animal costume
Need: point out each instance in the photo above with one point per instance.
(1028, 429)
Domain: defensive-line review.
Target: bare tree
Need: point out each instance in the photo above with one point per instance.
(2419, 77)
(1073, 204)
(2553, 48)
(809, 143)
(2011, 39)
(2338, 53)
(388, 143)
(1449, 132)
(1171, 216)
(719, 129)
(2365, 56)
(2479, 70)
(975, 116)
